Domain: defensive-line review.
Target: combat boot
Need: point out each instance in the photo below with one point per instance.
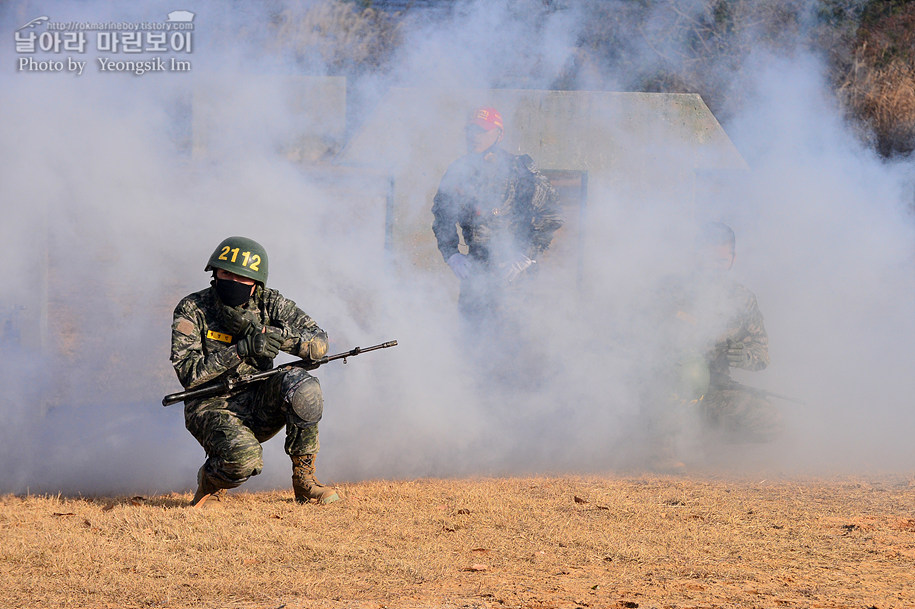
(664, 459)
(304, 484)
(205, 489)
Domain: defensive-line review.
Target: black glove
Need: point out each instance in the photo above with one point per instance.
(738, 355)
(237, 324)
(262, 344)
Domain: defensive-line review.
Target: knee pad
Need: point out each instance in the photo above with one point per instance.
(307, 401)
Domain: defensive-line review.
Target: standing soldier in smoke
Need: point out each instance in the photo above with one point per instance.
(714, 324)
(505, 210)
(237, 326)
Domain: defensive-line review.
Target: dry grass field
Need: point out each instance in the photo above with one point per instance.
(532, 543)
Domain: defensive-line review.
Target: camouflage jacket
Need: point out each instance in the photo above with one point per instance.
(503, 206)
(204, 351)
(711, 314)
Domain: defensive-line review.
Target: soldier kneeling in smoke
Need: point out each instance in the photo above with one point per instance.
(237, 326)
(711, 324)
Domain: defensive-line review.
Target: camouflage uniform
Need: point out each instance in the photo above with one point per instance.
(726, 311)
(504, 208)
(231, 428)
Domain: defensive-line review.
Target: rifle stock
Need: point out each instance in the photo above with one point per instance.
(223, 387)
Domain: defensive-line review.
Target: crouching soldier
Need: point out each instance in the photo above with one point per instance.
(237, 326)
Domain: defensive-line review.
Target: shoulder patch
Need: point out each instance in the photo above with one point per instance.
(184, 327)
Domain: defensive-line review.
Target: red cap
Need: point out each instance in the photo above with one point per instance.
(486, 117)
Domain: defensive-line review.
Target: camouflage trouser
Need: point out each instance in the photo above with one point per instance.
(739, 416)
(231, 429)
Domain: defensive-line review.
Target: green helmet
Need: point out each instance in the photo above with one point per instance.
(691, 378)
(241, 256)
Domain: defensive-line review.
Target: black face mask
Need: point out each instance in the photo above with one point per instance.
(232, 293)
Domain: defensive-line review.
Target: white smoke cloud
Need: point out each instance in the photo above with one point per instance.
(829, 247)
(112, 207)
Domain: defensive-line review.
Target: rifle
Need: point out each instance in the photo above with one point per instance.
(233, 382)
(763, 393)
